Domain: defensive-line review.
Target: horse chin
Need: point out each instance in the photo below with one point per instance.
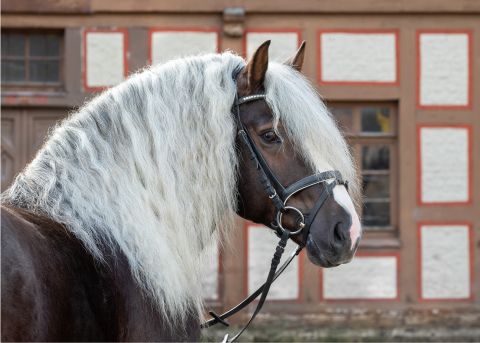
(325, 258)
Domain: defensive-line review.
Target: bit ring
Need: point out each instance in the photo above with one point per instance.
(301, 224)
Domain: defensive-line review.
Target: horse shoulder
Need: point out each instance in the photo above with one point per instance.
(49, 282)
(54, 290)
(140, 320)
(21, 291)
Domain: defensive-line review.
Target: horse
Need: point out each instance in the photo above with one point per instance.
(104, 231)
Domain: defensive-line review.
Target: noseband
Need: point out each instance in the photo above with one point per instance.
(279, 195)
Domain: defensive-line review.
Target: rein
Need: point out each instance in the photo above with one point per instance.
(279, 195)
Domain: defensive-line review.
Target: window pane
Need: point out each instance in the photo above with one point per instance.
(376, 213)
(13, 44)
(376, 120)
(376, 186)
(44, 45)
(344, 118)
(375, 157)
(44, 71)
(13, 71)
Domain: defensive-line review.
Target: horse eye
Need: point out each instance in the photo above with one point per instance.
(270, 137)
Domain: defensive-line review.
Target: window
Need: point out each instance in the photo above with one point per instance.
(31, 58)
(371, 131)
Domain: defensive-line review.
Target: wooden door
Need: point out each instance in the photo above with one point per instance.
(24, 131)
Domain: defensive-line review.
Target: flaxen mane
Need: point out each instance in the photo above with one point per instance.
(149, 167)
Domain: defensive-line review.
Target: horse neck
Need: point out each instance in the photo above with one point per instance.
(117, 181)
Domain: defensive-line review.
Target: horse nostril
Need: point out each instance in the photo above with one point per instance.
(339, 233)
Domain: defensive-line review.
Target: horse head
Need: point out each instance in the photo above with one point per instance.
(279, 185)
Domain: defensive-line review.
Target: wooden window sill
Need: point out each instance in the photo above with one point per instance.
(380, 243)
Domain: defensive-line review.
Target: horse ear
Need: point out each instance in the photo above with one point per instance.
(257, 67)
(296, 62)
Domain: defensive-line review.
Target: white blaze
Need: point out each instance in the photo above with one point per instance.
(341, 196)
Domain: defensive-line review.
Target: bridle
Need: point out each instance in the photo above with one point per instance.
(279, 195)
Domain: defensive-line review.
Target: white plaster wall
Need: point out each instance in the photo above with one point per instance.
(104, 58)
(365, 277)
(357, 57)
(168, 45)
(444, 69)
(261, 247)
(444, 159)
(445, 262)
(283, 45)
(210, 274)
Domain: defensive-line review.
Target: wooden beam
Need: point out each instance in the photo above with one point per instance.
(250, 6)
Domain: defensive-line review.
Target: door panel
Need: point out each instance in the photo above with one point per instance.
(23, 133)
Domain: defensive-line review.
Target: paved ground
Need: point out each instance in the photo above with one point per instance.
(276, 332)
(311, 334)
(410, 324)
